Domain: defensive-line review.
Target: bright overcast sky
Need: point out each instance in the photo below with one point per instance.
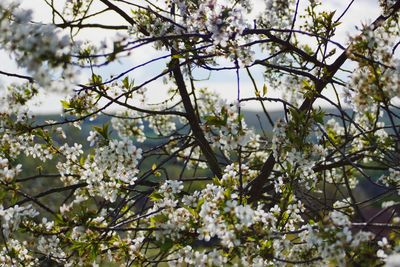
(222, 82)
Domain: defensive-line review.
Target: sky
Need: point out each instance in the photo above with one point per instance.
(223, 82)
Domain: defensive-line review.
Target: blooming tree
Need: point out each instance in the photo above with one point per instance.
(186, 181)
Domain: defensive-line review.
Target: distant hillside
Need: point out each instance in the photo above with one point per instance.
(255, 119)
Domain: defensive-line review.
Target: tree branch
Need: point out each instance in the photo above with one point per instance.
(205, 147)
(257, 185)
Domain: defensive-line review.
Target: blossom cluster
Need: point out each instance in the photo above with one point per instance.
(129, 124)
(16, 253)
(11, 218)
(35, 47)
(222, 21)
(217, 18)
(111, 167)
(216, 214)
(378, 77)
(7, 172)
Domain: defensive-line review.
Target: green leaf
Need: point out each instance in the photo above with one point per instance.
(103, 131)
(65, 104)
(128, 84)
(125, 82)
(177, 56)
(200, 203)
(40, 132)
(265, 89)
(59, 219)
(155, 196)
(94, 251)
(82, 160)
(319, 116)
(308, 49)
(96, 79)
(214, 120)
(216, 181)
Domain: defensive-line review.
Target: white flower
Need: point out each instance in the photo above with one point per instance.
(381, 254)
(92, 138)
